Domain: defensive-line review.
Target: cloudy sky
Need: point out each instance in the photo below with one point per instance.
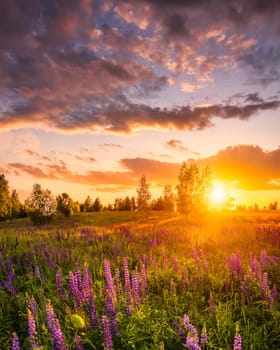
(94, 94)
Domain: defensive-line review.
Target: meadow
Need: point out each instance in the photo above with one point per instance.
(124, 281)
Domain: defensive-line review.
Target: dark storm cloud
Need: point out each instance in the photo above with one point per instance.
(70, 65)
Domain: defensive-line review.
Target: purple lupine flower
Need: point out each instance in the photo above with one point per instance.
(78, 343)
(78, 278)
(32, 332)
(190, 328)
(108, 277)
(265, 285)
(237, 345)
(32, 306)
(92, 311)
(246, 293)
(118, 284)
(178, 329)
(191, 343)
(126, 275)
(234, 263)
(135, 290)
(204, 336)
(54, 328)
(113, 322)
(50, 315)
(127, 287)
(15, 342)
(108, 307)
(107, 337)
(255, 266)
(86, 283)
(8, 285)
(58, 336)
(74, 286)
(37, 271)
(144, 281)
(59, 286)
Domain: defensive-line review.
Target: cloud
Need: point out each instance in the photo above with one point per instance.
(246, 167)
(88, 66)
(109, 145)
(121, 116)
(156, 171)
(33, 171)
(250, 166)
(176, 145)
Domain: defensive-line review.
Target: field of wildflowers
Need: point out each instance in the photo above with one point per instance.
(174, 286)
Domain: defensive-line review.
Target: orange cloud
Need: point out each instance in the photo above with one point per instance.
(249, 167)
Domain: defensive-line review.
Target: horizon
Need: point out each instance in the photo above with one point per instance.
(95, 94)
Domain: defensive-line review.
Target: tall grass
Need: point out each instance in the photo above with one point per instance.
(174, 286)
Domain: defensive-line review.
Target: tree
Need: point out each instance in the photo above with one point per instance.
(97, 206)
(16, 206)
(5, 200)
(168, 198)
(133, 204)
(157, 204)
(65, 204)
(143, 194)
(191, 188)
(273, 206)
(41, 206)
(87, 207)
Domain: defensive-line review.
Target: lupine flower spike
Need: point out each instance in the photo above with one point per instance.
(237, 345)
(15, 342)
(107, 337)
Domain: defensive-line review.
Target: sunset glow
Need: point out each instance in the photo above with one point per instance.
(218, 193)
(94, 94)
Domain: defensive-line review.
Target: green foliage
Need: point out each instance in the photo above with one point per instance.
(87, 205)
(191, 188)
(5, 200)
(186, 270)
(41, 206)
(65, 204)
(168, 198)
(143, 194)
(97, 206)
(16, 206)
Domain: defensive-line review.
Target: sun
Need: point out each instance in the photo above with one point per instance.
(217, 193)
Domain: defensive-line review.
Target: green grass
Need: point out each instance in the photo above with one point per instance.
(186, 264)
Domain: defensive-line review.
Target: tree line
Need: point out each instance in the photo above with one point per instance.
(188, 198)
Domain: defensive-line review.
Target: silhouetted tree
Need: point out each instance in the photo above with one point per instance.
(127, 204)
(273, 206)
(97, 206)
(87, 207)
(157, 204)
(133, 204)
(143, 194)
(191, 188)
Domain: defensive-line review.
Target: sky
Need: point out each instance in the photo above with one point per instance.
(95, 94)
